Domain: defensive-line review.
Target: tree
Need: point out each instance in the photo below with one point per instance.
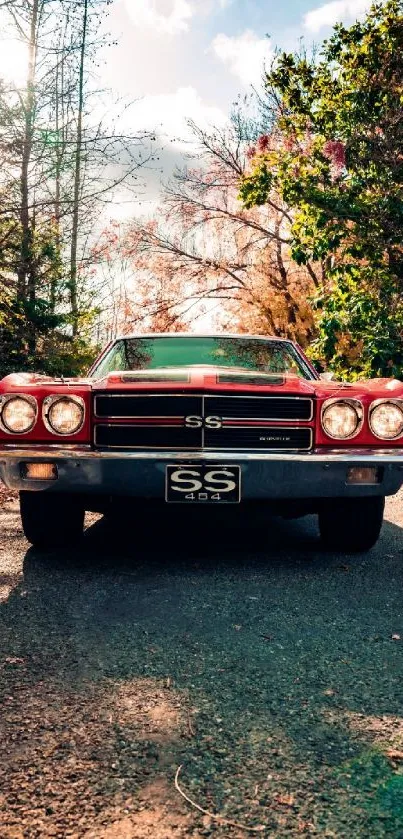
(210, 250)
(61, 168)
(145, 303)
(338, 164)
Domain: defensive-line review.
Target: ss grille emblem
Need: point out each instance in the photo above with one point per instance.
(203, 422)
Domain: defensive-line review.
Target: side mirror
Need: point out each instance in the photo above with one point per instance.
(327, 377)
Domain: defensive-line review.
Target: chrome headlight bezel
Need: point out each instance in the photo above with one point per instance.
(48, 404)
(355, 404)
(385, 401)
(26, 397)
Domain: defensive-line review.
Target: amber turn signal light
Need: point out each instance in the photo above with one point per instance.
(364, 475)
(39, 471)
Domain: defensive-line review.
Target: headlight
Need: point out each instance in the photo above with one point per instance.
(63, 414)
(342, 418)
(18, 414)
(386, 419)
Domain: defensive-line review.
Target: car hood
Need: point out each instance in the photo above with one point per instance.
(210, 378)
(214, 378)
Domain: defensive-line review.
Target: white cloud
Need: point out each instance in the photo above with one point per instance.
(245, 55)
(167, 114)
(208, 8)
(336, 11)
(153, 14)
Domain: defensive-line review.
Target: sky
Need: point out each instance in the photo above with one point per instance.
(181, 59)
(190, 59)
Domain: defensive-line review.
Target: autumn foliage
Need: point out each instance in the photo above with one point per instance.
(207, 259)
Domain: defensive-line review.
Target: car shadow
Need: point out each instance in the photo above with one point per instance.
(162, 540)
(230, 644)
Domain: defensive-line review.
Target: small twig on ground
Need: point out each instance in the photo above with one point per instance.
(215, 816)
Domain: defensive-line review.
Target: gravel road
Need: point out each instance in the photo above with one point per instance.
(271, 672)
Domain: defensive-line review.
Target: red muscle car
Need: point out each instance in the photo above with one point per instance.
(192, 419)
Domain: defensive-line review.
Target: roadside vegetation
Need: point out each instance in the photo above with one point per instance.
(335, 157)
(288, 221)
(62, 159)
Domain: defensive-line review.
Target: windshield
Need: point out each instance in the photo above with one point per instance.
(269, 356)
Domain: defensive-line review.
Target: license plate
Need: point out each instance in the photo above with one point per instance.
(203, 484)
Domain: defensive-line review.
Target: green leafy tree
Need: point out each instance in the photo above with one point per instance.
(337, 160)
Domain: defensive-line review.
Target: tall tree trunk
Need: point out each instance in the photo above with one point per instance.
(58, 170)
(77, 177)
(25, 273)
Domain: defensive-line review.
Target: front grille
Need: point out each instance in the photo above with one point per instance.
(186, 422)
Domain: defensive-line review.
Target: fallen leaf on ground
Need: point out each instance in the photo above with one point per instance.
(14, 661)
(286, 800)
(305, 826)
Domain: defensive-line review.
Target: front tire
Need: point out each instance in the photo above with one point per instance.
(50, 521)
(351, 525)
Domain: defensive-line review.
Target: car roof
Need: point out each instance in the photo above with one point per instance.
(200, 335)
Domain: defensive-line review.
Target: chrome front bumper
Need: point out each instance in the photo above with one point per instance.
(321, 473)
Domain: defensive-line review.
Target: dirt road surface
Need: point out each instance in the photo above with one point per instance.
(232, 647)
